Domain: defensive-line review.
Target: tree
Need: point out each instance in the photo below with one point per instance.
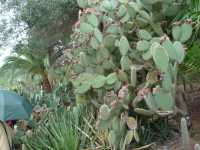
(47, 24)
(49, 21)
(25, 64)
(44, 21)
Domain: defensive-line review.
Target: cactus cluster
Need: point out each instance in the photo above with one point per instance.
(125, 56)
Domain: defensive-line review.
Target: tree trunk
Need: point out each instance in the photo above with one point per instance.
(46, 84)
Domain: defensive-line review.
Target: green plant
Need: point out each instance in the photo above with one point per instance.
(62, 130)
(191, 65)
(127, 62)
(25, 65)
(186, 145)
(191, 11)
(43, 22)
(151, 130)
(189, 70)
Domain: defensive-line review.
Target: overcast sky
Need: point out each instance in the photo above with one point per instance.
(12, 40)
(5, 51)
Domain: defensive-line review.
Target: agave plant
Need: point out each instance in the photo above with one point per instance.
(64, 130)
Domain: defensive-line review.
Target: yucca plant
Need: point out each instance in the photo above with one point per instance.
(63, 130)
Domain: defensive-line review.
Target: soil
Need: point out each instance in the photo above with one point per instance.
(194, 109)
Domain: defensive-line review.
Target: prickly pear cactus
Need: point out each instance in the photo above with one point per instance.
(197, 147)
(186, 144)
(127, 52)
(185, 135)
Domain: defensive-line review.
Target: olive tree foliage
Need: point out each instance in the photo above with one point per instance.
(44, 21)
(49, 21)
(11, 28)
(40, 28)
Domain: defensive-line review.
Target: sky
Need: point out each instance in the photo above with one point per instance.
(14, 38)
(5, 51)
(4, 54)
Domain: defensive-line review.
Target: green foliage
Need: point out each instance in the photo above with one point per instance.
(154, 130)
(162, 100)
(144, 35)
(123, 45)
(182, 33)
(160, 57)
(190, 68)
(65, 130)
(24, 65)
(61, 96)
(125, 62)
(135, 59)
(191, 11)
(41, 23)
(175, 51)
